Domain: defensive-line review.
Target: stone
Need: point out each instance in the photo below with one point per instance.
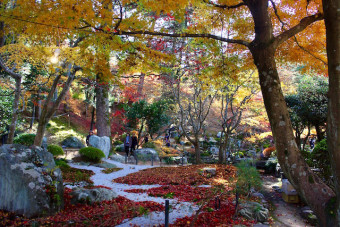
(261, 225)
(308, 214)
(214, 150)
(257, 195)
(208, 172)
(72, 142)
(44, 143)
(253, 211)
(102, 143)
(146, 154)
(105, 165)
(83, 195)
(118, 158)
(30, 183)
(178, 160)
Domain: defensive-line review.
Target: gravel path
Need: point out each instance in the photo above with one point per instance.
(285, 214)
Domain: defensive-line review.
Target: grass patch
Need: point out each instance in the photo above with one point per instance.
(58, 130)
(110, 170)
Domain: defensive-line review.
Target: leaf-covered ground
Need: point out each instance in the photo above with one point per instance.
(184, 175)
(107, 213)
(212, 196)
(188, 184)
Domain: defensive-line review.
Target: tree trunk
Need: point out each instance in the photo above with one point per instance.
(222, 148)
(15, 112)
(332, 22)
(102, 107)
(310, 187)
(141, 85)
(319, 132)
(197, 152)
(49, 108)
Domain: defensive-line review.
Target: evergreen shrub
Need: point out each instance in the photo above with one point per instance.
(92, 154)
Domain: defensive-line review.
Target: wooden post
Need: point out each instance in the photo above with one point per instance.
(166, 213)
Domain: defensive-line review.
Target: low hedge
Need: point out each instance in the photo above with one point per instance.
(92, 154)
(55, 149)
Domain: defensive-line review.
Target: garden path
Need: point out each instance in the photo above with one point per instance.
(178, 209)
(285, 214)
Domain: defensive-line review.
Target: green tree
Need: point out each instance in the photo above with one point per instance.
(154, 116)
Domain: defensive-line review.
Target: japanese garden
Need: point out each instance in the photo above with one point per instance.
(170, 113)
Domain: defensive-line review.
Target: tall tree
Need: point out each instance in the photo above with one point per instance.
(332, 21)
(262, 30)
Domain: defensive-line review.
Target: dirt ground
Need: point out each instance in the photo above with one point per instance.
(284, 214)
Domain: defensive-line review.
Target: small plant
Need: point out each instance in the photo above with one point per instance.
(110, 170)
(91, 154)
(247, 178)
(55, 149)
(149, 145)
(62, 164)
(25, 139)
(117, 142)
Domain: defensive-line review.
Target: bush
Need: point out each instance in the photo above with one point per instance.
(62, 164)
(247, 178)
(119, 149)
(117, 142)
(25, 139)
(321, 159)
(187, 144)
(92, 154)
(149, 145)
(205, 153)
(55, 150)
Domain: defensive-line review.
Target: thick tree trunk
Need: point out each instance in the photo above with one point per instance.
(15, 112)
(332, 22)
(310, 187)
(102, 107)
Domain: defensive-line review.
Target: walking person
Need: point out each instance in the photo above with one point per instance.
(134, 143)
(127, 144)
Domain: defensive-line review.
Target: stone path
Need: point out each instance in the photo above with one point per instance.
(285, 214)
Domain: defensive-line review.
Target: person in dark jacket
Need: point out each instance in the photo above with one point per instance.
(134, 144)
(127, 144)
(88, 138)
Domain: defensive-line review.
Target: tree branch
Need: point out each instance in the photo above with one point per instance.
(225, 6)
(305, 22)
(183, 35)
(9, 71)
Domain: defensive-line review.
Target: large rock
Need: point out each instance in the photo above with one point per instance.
(254, 211)
(208, 172)
(30, 183)
(117, 158)
(147, 154)
(83, 195)
(102, 143)
(72, 142)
